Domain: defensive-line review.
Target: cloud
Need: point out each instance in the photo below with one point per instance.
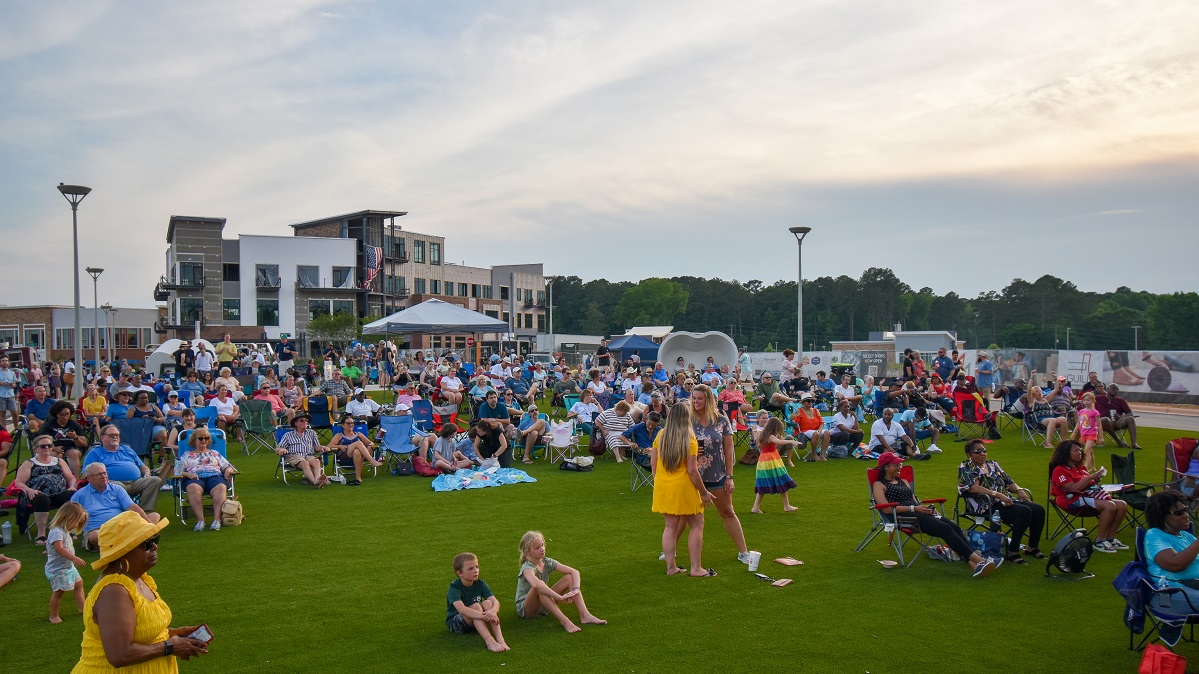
(592, 125)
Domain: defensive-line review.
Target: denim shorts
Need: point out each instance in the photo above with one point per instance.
(207, 483)
(9, 404)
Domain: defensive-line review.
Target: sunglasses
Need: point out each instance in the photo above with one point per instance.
(203, 439)
(44, 446)
(1182, 511)
(978, 451)
(150, 543)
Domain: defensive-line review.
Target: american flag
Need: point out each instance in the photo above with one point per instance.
(372, 257)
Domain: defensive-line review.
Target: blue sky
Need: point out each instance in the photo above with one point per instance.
(960, 144)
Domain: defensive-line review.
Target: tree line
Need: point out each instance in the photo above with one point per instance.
(1043, 314)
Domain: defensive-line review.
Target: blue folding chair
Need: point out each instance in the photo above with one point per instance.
(138, 434)
(318, 410)
(282, 469)
(422, 415)
(207, 416)
(182, 507)
(518, 441)
(395, 440)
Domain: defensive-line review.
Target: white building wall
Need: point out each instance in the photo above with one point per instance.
(288, 252)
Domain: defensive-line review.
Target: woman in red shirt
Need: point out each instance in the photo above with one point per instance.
(811, 425)
(1073, 488)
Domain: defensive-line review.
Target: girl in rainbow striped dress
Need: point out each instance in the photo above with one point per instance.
(772, 477)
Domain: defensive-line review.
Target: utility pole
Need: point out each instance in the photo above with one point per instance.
(1135, 335)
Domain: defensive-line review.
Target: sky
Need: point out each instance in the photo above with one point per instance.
(961, 144)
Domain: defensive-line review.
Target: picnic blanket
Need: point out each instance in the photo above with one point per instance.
(468, 478)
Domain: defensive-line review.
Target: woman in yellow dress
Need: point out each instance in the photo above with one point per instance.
(125, 622)
(679, 493)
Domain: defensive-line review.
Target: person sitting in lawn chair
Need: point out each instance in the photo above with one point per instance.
(639, 438)
(301, 448)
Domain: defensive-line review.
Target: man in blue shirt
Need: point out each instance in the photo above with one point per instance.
(492, 408)
(37, 410)
(661, 376)
(124, 468)
(103, 500)
(943, 365)
(10, 403)
(984, 375)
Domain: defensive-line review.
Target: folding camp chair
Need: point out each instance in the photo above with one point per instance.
(640, 474)
(563, 442)
(1032, 431)
(569, 400)
(282, 469)
(970, 415)
(258, 419)
(1012, 414)
(1154, 604)
(1178, 458)
(446, 414)
(207, 416)
(1135, 494)
(899, 529)
(138, 435)
(395, 439)
(343, 469)
(422, 415)
(741, 433)
(182, 507)
(321, 419)
(518, 442)
(1068, 519)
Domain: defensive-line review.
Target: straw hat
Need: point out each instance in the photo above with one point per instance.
(122, 533)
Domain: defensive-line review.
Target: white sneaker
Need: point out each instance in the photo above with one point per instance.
(216, 525)
(1104, 546)
(662, 557)
(1115, 543)
(199, 526)
(743, 557)
(933, 449)
(165, 487)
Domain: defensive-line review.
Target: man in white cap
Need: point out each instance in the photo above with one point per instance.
(363, 408)
(420, 439)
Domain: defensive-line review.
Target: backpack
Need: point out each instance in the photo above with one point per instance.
(987, 543)
(402, 468)
(837, 452)
(231, 513)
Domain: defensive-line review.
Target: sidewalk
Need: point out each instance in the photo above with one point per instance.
(1153, 415)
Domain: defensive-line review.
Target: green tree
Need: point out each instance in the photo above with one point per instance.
(654, 301)
(339, 327)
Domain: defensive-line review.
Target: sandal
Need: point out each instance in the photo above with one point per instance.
(710, 573)
(40, 540)
(1034, 553)
(1015, 559)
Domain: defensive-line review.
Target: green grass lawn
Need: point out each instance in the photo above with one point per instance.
(354, 579)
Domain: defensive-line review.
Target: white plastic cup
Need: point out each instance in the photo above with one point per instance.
(755, 558)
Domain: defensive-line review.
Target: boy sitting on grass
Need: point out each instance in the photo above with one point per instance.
(471, 605)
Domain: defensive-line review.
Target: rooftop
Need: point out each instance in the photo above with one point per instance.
(357, 214)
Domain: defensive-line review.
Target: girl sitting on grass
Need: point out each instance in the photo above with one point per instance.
(61, 559)
(772, 477)
(535, 597)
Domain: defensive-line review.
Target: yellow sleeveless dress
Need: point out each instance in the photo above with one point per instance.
(153, 618)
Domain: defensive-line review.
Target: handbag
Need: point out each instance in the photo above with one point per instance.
(231, 513)
(1160, 660)
(597, 446)
(749, 458)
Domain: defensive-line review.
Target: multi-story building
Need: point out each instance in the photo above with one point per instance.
(50, 330)
(259, 287)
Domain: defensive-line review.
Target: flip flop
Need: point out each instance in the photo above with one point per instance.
(1034, 553)
(710, 573)
(1015, 559)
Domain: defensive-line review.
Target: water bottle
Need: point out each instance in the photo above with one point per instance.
(995, 516)
(6, 533)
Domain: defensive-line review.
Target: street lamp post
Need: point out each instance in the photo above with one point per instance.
(95, 274)
(1067, 339)
(800, 233)
(107, 308)
(74, 194)
(549, 282)
(1136, 342)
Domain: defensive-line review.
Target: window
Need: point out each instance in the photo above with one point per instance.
(64, 338)
(9, 334)
(418, 251)
(540, 322)
(191, 309)
(343, 277)
(130, 338)
(267, 276)
(486, 292)
(401, 285)
(318, 308)
(492, 313)
(231, 272)
(400, 247)
(418, 286)
(35, 336)
(191, 274)
(308, 276)
(462, 290)
(434, 253)
(507, 318)
(435, 286)
(232, 310)
(517, 324)
(541, 297)
(268, 313)
(474, 290)
(343, 307)
(528, 320)
(505, 291)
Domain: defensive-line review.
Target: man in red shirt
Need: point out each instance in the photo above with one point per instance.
(282, 412)
(1115, 415)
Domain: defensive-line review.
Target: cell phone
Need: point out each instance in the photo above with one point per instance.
(202, 633)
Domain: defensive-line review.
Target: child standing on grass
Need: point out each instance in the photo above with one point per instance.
(679, 493)
(470, 605)
(772, 477)
(535, 597)
(60, 557)
(1086, 430)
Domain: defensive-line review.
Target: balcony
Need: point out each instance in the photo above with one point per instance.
(309, 288)
(169, 324)
(165, 285)
(402, 258)
(267, 284)
(530, 304)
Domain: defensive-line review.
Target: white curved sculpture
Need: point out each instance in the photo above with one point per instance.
(695, 347)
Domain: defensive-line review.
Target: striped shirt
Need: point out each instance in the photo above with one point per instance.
(614, 425)
(300, 444)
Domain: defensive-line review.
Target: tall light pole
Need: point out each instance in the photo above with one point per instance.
(800, 233)
(107, 335)
(1136, 342)
(74, 194)
(1067, 339)
(95, 274)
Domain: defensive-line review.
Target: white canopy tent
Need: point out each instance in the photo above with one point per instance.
(435, 317)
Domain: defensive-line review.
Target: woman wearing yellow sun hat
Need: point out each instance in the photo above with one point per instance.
(125, 621)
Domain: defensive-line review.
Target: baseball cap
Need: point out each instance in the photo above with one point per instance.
(358, 390)
(173, 394)
(403, 406)
(889, 457)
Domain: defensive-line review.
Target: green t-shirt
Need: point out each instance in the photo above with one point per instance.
(767, 392)
(351, 372)
(523, 588)
(477, 593)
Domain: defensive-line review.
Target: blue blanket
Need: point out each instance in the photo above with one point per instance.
(474, 479)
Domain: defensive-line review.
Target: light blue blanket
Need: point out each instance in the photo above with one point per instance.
(475, 479)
